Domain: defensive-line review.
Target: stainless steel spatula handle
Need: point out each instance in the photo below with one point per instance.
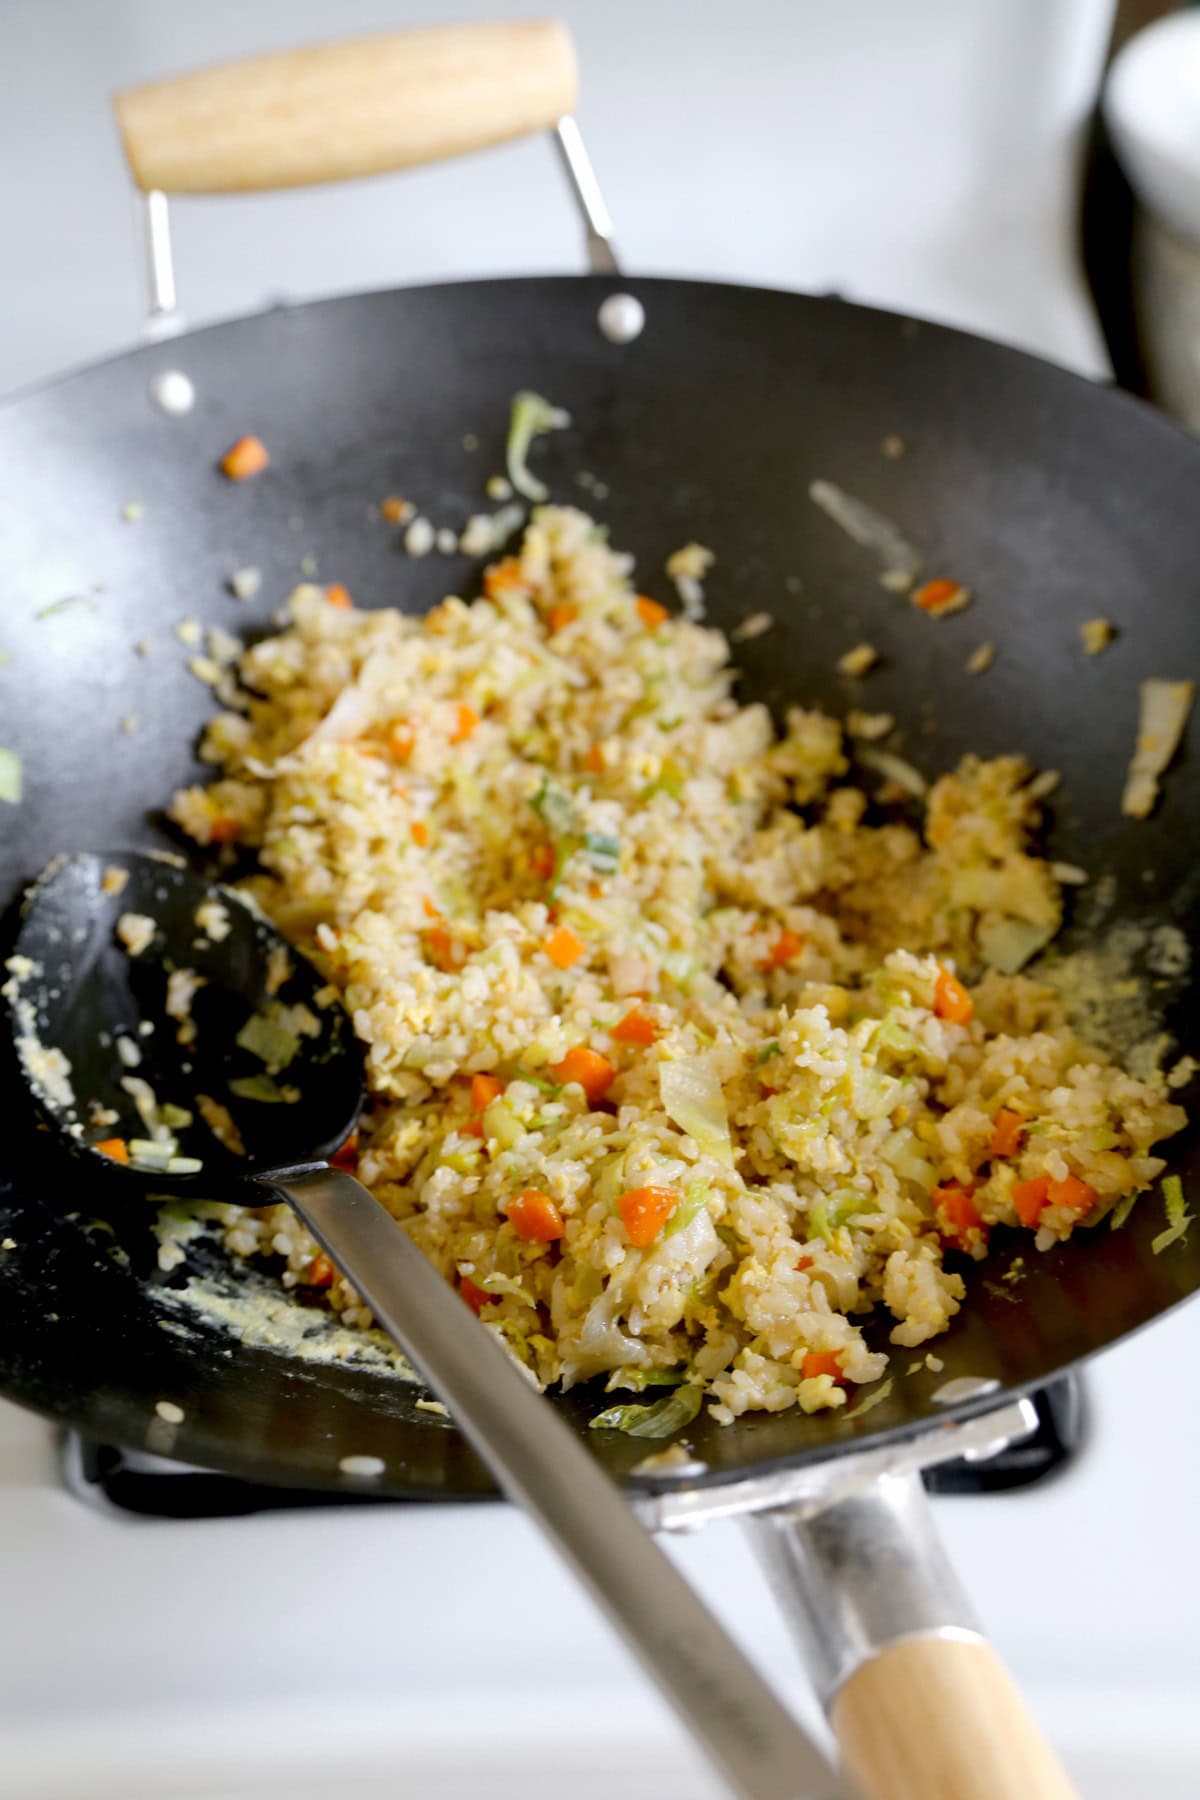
(761, 1749)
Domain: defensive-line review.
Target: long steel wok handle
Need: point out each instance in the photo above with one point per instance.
(922, 1707)
(536, 1458)
(333, 112)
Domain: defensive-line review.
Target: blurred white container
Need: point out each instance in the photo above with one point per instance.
(1152, 109)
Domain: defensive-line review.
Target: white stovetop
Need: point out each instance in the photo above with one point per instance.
(920, 156)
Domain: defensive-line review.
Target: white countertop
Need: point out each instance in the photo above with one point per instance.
(921, 156)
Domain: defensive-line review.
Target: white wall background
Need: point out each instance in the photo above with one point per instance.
(918, 153)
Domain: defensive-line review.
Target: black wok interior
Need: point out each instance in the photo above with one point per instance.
(1054, 500)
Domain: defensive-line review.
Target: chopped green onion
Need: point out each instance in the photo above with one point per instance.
(553, 1088)
(604, 852)
(555, 807)
(184, 1165)
(177, 1117)
(660, 1420)
(766, 1052)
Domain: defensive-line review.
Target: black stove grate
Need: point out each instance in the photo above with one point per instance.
(135, 1482)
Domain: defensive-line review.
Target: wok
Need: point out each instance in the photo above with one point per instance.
(1054, 500)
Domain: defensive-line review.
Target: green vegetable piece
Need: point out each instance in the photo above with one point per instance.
(695, 1198)
(531, 417)
(638, 1380)
(257, 1087)
(1178, 1218)
(660, 1420)
(10, 777)
(271, 1042)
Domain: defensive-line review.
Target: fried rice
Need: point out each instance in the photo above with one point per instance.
(671, 1065)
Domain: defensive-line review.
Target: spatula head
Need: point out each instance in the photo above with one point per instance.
(158, 1010)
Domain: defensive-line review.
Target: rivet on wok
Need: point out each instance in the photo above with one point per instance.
(621, 318)
(173, 393)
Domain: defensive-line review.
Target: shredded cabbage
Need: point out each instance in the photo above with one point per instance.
(692, 1096)
(262, 1088)
(695, 1199)
(894, 768)
(531, 417)
(901, 563)
(659, 1420)
(1008, 944)
(497, 1285)
(1164, 710)
(638, 1380)
(874, 1398)
(501, 1123)
(10, 777)
(1121, 1211)
(267, 1039)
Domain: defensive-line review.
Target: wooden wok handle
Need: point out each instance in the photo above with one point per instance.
(932, 1718)
(337, 111)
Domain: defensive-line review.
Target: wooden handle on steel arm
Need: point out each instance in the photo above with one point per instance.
(337, 111)
(934, 1718)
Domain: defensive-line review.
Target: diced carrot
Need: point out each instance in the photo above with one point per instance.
(418, 831)
(951, 999)
(444, 948)
(958, 1213)
(803, 1263)
(937, 596)
(484, 1089)
(401, 739)
(821, 1362)
(1072, 1194)
(319, 1272)
(222, 831)
(786, 947)
(535, 1217)
(636, 1028)
(558, 616)
(645, 1211)
(394, 509)
(466, 719)
(337, 595)
(563, 948)
(116, 1149)
(593, 762)
(651, 613)
(347, 1156)
(504, 574)
(542, 861)
(428, 908)
(245, 458)
(593, 1072)
(476, 1297)
(1029, 1197)
(1008, 1128)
